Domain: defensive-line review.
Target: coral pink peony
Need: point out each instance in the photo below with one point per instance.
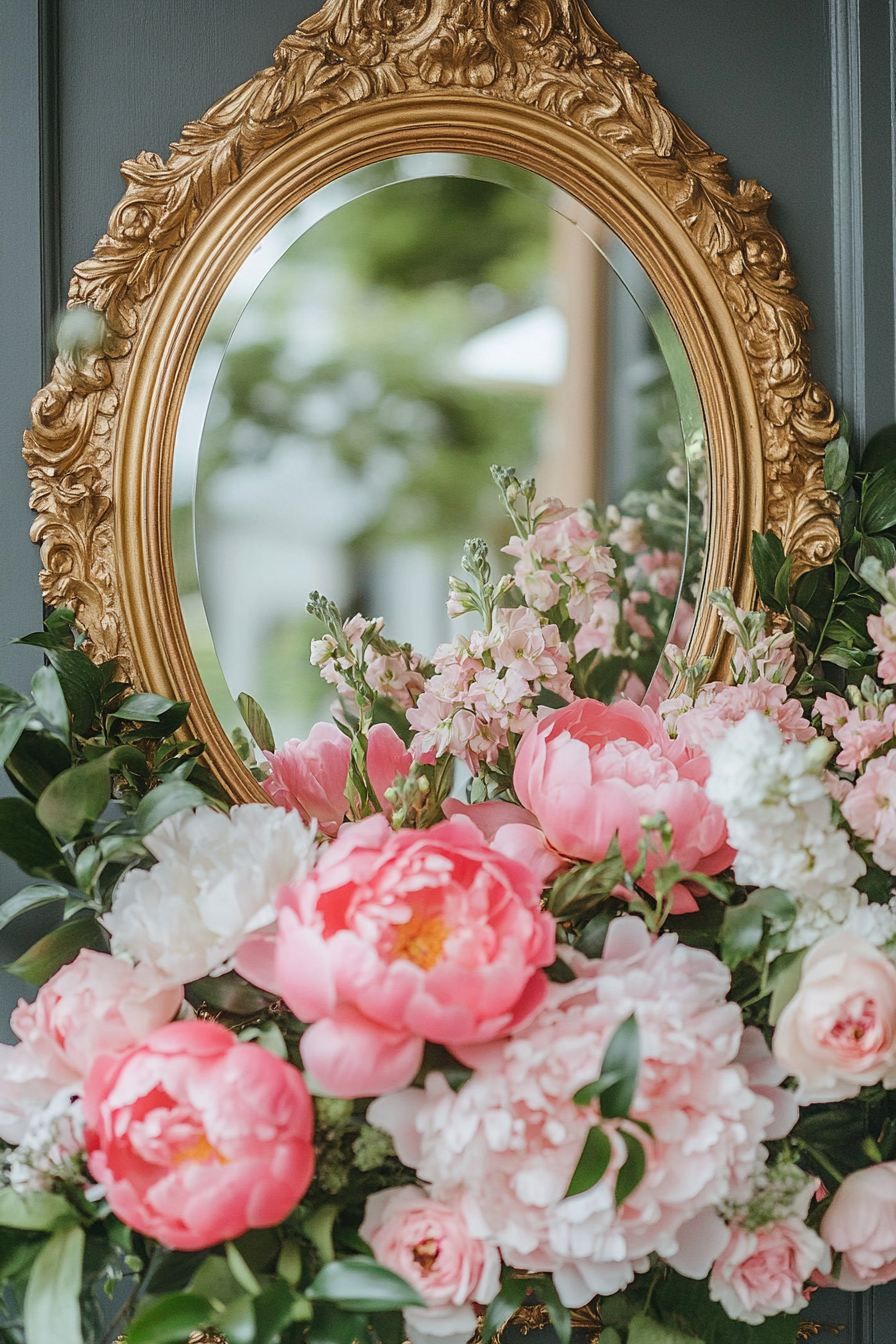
(428, 1244)
(590, 772)
(870, 809)
(507, 1143)
(762, 1273)
(838, 1032)
(197, 1137)
(860, 1224)
(309, 777)
(397, 937)
(96, 1005)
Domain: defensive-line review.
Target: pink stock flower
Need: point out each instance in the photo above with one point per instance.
(95, 1005)
(637, 623)
(198, 1137)
(762, 1273)
(563, 555)
(718, 707)
(870, 809)
(310, 777)
(860, 1224)
(838, 1032)
(398, 937)
(600, 632)
(591, 772)
(428, 1244)
(882, 630)
(507, 1143)
(662, 569)
(859, 729)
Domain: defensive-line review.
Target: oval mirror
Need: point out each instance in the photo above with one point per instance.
(389, 340)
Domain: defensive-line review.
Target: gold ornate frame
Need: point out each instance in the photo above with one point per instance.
(537, 83)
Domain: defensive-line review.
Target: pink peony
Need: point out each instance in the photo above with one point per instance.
(428, 1244)
(507, 1144)
(590, 772)
(309, 777)
(512, 831)
(96, 1005)
(765, 1075)
(197, 1137)
(870, 809)
(398, 937)
(25, 1089)
(838, 1032)
(860, 1224)
(762, 1273)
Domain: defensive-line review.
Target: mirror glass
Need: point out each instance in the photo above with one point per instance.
(390, 339)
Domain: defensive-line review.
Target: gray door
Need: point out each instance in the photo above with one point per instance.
(798, 93)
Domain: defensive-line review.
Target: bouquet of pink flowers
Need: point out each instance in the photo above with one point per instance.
(393, 1056)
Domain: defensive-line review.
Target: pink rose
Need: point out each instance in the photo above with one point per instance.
(838, 1032)
(198, 1137)
(590, 772)
(860, 1224)
(398, 937)
(429, 1245)
(96, 1005)
(762, 1273)
(310, 777)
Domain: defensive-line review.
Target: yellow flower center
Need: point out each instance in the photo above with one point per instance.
(420, 940)
(200, 1151)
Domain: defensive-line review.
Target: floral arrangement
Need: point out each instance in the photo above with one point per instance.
(375, 1062)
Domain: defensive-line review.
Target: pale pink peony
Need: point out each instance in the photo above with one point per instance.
(507, 1143)
(860, 1224)
(25, 1089)
(563, 556)
(428, 1244)
(765, 1076)
(309, 777)
(95, 1005)
(591, 772)
(882, 630)
(838, 1032)
(719, 706)
(762, 1273)
(859, 729)
(198, 1137)
(870, 809)
(398, 937)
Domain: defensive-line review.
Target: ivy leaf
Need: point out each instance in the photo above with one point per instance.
(632, 1170)
(359, 1284)
(24, 840)
(57, 949)
(593, 1163)
(256, 721)
(52, 1310)
(78, 796)
(172, 1318)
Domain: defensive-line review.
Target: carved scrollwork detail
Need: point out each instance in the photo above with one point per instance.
(545, 54)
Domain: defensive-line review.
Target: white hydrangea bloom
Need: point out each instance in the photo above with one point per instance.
(51, 1149)
(214, 884)
(844, 912)
(780, 821)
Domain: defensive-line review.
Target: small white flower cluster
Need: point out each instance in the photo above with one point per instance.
(52, 1149)
(779, 1189)
(780, 821)
(394, 675)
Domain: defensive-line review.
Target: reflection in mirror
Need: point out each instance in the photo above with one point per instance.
(394, 336)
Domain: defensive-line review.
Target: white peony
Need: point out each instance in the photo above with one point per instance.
(214, 884)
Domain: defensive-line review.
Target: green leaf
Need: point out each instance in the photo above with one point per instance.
(52, 1310)
(82, 685)
(237, 1321)
(47, 691)
(512, 1294)
(164, 801)
(876, 548)
(560, 972)
(837, 466)
(878, 508)
(622, 1064)
(560, 1317)
(24, 840)
(590, 941)
(35, 759)
(331, 1325)
(575, 892)
(176, 1270)
(214, 1280)
(76, 797)
(767, 555)
(360, 1284)
(231, 994)
(742, 929)
(272, 1308)
(782, 583)
(256, 721)
(12, 725)
(645, 1330)
(29, 898)
(57, 949)
(777, 905)
(35, 1211)
(785, 978)
(880, 451)
(142, 708)
(241, 1271)
(593, 1163)
(171, 1318)
(631, 1172)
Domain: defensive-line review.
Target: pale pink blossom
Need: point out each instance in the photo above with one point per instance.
(628, 535)
(25, 1090)
(428, 1244)
(719, 706)
(662, 570)
(761, 1273)
(860, 1225)
(870, 809)
(765, 1076)
(838, 1032)
(398, 937)
(638, 624)
(387, 758)
(563, 556)
(600, 632)
(882, 630)
(390, 675)
(309, 777)
(859, 729)
(197, 1137)
(507, 1143)
(590, 772)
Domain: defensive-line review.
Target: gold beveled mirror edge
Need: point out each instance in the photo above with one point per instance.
(560, 89)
